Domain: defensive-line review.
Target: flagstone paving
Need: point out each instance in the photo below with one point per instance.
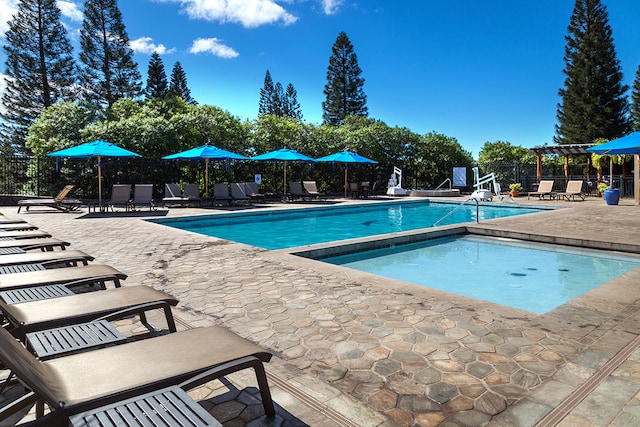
(355, 349)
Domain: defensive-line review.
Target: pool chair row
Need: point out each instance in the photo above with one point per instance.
(174, 196)
(236, 193)
(121, 197)
(79, 369)
(305, 190)
(573, 189)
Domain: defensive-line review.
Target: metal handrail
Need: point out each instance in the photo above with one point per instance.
(443, 182)
(459, 206)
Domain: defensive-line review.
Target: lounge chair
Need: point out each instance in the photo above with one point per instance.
(192, 194)
(82, 382)
(545, 188)
(238, 194)
(44, 244)
(251, 190)
(120, 197)
(59, 202)
(142, 196)
(364, 189)
(297, 192)
(352, 189)
(70, 277)
(173, 195)
(23, 226)
(4, 221)
(311, 189)
(47, 259)
(37, 314)
(221, 193)
(24, 234)
(574, 188)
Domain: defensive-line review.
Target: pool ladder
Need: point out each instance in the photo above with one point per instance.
(458, 207)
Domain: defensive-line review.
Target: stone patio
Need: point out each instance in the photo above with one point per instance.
(355, 349)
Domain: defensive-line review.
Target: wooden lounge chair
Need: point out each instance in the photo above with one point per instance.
(51, 259)
(312, 190)
(39, 314)
(21, 226)
(221, 193)
(574, 188)
(70, 277)
(82, 382)
(238, 194)
(59, 202)
(142, 196)
(24, 234)
(44, 244)
(545, 188)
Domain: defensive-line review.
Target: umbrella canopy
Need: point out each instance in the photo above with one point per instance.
(629, 144)
(206, 152)
(285, 155)
(345, 157)
(98, 149)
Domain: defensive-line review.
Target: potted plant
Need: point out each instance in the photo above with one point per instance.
(515, 189)
(602, 186)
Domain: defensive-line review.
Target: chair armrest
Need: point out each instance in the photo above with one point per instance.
(141, 309)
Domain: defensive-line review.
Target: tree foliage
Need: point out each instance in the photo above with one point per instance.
(109, 71)
(344, 92)
(593, 101)
(40, 68)
(495, 156)
(157, 85)
(275, 101)
(635, 101)
(178, 86)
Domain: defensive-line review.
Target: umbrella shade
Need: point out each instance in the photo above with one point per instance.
(98, 149)
(206, 152)
(345, 157)
(285, 155)
(629, 144)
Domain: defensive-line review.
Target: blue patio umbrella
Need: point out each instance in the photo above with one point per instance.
(98, 149)
(285, 155)
(345, 157)
(629, 144)
(206, 152)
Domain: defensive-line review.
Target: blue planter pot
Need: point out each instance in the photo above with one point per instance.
(612, 196)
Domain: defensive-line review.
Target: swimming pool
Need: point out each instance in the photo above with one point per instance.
(526, 275)
(298, 227)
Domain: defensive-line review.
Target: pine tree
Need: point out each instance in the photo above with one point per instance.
(157, 85)
(40, 68)
(291, 106)
(109, 71)
(635, 102)
(266, 95)
(593, 102)
(344, 89)
(277, 100)
(178, 86)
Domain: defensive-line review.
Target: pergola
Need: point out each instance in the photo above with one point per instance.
(561, 150)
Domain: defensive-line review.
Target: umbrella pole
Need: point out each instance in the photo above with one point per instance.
(206, 177)
(345, 181)
(99, 184)
(284, 184)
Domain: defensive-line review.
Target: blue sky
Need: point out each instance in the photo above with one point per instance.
(474, 70)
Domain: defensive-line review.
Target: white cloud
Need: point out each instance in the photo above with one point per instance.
(330, 7)
(146, 45)
(213, 46)
(7, 10)
(70, 10)
(249, 13)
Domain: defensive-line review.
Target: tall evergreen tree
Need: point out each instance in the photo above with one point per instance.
(266, 95)
(291, 106)
(178, 86)
(593, 102)
(344, 89)
(635, 101)
(109, 72)
(277, 100)
(40, 68)
(157, 85)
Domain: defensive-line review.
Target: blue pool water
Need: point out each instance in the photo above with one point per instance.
(298, 227)
(525, 275)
